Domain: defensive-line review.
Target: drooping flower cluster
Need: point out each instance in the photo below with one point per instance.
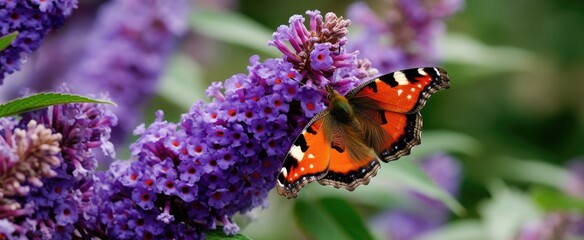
(126, 53)
(49, 160)
(425, 214)
(223, 157)
(405, 36)
(32, 20)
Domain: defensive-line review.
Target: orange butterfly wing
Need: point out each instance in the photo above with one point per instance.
(403, 91)
(352, 162)
(308, 158)
(388, 108)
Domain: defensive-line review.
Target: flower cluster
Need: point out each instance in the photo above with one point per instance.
(49, 162)
(319, 53)
(223, 157)
(405, 37)
(426, 214)
(27, 155)
(126, 52)
(32, 20)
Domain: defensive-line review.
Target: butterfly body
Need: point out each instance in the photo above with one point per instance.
(379, 120)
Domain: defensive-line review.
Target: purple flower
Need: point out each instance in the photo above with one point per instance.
(125, 55)
(222, 158)
(321, 58)
(47, 172)
(317, 51)
(406, 37)
(425, 214)
(144, 198)
(66, 213)
(32, 20)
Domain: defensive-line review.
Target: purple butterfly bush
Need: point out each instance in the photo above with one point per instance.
(405, 36)
(223, 157)
(33, 20)
(47, 169)
(126, 52)
(425, 214)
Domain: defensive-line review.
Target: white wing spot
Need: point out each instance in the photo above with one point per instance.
(400, 78)
(419, 85)
(311, 166)
(284, 172)
(399, 92)
(437, 72)
(302, 169)
(310, 155)
(409, 96)
(295, 174)
(413, 89)
(422, 72)
(297, 153)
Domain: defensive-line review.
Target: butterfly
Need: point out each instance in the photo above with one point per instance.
(378, 120)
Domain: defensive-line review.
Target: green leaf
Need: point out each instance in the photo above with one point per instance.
(458, 230)
(233, 28)
(553, 200)
(447, 141)
(385, 188)
(218, 234)
(330, 218)
(531, 171)
(42, 100)
(182, 82)
(6, 40)
(466, 50)
(413, 177)
(507, 211)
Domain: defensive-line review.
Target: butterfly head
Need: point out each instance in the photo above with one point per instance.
(339, 106)
(331, 93)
